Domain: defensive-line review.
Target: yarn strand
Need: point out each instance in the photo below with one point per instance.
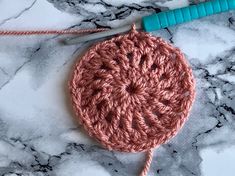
(147, 162)
(49, 32)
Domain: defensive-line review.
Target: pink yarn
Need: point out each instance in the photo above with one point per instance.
(132, 92)
(49, 32)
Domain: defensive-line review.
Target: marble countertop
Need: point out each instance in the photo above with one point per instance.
(38, 134)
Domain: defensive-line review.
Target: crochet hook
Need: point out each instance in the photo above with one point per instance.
(164, 19)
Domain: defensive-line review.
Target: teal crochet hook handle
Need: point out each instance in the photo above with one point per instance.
(169, 18)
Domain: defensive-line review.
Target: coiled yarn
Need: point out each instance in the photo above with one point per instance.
(132, 92)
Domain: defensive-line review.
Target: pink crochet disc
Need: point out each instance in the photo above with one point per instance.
(132, 92)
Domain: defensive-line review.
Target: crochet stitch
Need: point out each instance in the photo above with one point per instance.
(132, 92)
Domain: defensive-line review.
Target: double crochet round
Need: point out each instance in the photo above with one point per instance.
(132, 92)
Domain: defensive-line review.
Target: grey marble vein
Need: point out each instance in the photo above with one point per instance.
(19, 14)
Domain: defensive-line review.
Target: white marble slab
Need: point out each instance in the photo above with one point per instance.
(38, 134)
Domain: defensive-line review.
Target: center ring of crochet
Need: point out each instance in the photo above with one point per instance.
(132, 92)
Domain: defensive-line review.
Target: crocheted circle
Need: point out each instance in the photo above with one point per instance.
(132, 92)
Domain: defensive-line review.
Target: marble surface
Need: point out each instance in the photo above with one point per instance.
(38, 134)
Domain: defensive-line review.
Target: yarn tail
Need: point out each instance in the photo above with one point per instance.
(147, 163)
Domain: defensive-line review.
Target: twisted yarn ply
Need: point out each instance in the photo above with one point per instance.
(132, 92)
